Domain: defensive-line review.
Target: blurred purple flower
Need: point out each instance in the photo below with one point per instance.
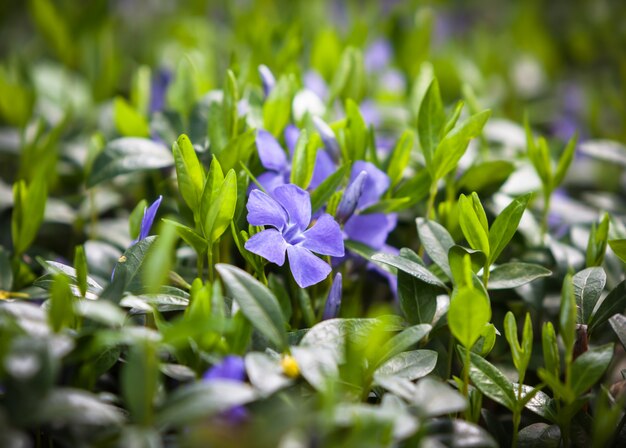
(333, 301)
(278, 164)
(378, 55)
(158, 88)
(370, 112)
(149, 214)
(314, 82)
(230, 368)
(267, 79)
(288, 213)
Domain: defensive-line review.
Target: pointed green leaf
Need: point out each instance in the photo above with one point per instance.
(325, 190)
(304, 160)
(222, 208)
(469, 312)
(614, 302)
(403, 341)
(400, 157)
(189, 172)
(514, 274)
(410, 267)
(436, 241)
(492, 382)
(431, 121)
(619, 247)
(588, 286)
(472, 224)
(505, 225)
(565, 161)
(190, 236)
(589, 367)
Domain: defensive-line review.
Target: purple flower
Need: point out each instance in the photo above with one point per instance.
(314, 82)
(149, 214)
(378, 55)
(267, 79)
(158, 88)
(288, 214)
(333, 302)
(231, 368)
(351, 197)
(278, 164)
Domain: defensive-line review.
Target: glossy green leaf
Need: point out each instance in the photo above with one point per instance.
(189, 172)
(614, 302)
(505, 226)
(430, 123)
(410, 267)
(589, 367)
(257, 303)
(540, 434)
(403, 341)
(492, 382)
(436, 241)
(159, 259)
(588, 286)
(514, 274)
(128, 155)
(469, 312)
(410, 365)
(222, 209)
(418, 300)
(473, 223)
(452, 147)
(618, 323)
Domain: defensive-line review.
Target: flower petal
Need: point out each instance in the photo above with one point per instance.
(230, 368)
(148, 219)
(333, 302)
(307, 269)
(351, 197)
(291, 138)
(296, 202)
(324, 167)
(267, 79)
(376, 184)
(271, 154)
(263, 210)
(269, 180)
(268, 244)
(324, 237)
(371, 229)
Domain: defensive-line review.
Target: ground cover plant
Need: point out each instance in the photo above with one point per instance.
(312, 224)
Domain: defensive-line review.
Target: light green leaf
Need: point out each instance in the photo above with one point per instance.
(222, 209)
(469, 312)
(128, 121)
(430, 123)
(304, 159)
(505, 225)
(189, 172)
(400, 157)
(190, 236)
(619, 247)
(565, 161)
(472, 224)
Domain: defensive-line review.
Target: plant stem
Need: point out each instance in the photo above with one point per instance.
(210, 261)
(516, 421)
(430, 208)
(547, 197)
(466, 373)
(486, 275)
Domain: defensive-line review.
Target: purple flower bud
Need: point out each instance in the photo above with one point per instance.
(350, 198)
(328, 138)
(267, 78)
(158, 88)
(149, 214)
(333, 302)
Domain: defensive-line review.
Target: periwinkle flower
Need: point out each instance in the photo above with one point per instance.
(350, 198)
(378, 55)
(158, 88)
(267, 79)
(287, 214)
(333, 302)
(149, 213)
(278, 164)
(230, 368)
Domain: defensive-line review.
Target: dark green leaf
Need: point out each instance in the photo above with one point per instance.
(410, 267)
(540, 435)
(128, 155)
(491, 382)
(410, 365)
(6, 272)
(418, 300)
(257, 303)
(618, 323)
(324, 191)
(588, 286)
(589, 367)
(613, 303)
(512, 275)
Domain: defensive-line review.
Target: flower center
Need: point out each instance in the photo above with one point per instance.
(293, 235)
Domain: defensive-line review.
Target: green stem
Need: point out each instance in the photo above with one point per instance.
(516, 421)
(200, 266)
(547, 197)
(210, 261)
(450, 356)
(486, 275)
(430, 207)
(466, 369)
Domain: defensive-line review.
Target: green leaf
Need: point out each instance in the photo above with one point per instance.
(403, 341)
(565, 161)
(619, 247)
(69, 407)
(410, 365)
(29, 204)
(514, 274)
(324, 191)
(61, 311)
(400, 157)
(80, 264)
(588, 286)
(159, 259)
(190, 236)
(505, 225)
(222, 209)
(237, 150)
(486, 177)
(418, 300)
(189, 172)
(567, 316)
(128, 155)
(492, 382)
(139, 381)
(614, 302)
(277, 106)
(430, 123)
(540, 435)
(598, 238)
(456, 256)
(450, 150)
(618, 323)
(6, 272)
(551, 357)
(257, 303)
(469, 312)
(473, 223)
(589, 367)
(519, 353)
(436, 241)
(416, 188)
(303, 160)
(410, 267)
(128, 121)
(135, 218)
(357, 135)
(229, 105)
(212, 185)
(129, 265)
